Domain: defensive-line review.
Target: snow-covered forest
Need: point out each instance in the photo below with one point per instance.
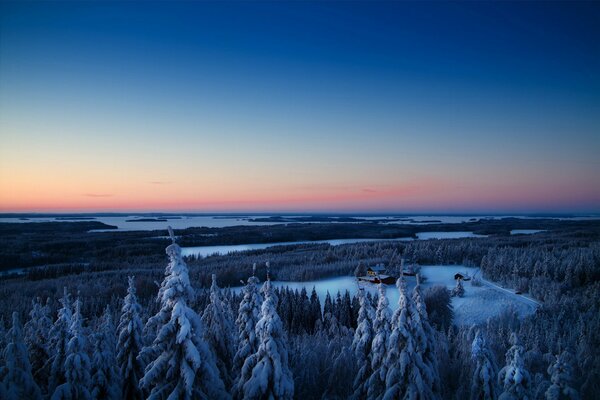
(179, 332)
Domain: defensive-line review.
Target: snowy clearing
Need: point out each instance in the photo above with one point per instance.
(477, 305)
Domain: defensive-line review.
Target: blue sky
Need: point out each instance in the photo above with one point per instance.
(300, 106)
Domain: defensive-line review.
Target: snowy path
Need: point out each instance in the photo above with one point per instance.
(519, 297)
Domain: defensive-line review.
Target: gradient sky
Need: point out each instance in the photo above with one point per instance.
(449, 107)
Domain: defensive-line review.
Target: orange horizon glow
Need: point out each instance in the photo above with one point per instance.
(431, 197)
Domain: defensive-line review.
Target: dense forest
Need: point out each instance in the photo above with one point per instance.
(83, 330)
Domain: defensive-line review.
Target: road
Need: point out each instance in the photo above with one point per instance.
(519, 297)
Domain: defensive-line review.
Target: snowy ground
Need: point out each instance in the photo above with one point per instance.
(478, 304)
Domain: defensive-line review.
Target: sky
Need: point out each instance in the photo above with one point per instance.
(300, 106)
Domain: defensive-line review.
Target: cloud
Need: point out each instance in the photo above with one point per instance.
(160, 182)
(98, 195)
(369, 190)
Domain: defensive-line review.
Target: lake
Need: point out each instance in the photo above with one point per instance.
(123, 222)
(203, 251)
(526, 231)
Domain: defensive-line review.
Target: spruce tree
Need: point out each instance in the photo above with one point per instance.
(17, 379)
(105, 378)
(410, 373)
(483, 382)
(382, 330)
(514, 378)
(131, 369)
(315, 311)
(37, 333)
(561, 376)
(182, 366)
(361, 346)
(248, 315)
(77, 363)
(426, 343)
(459, 289)
(218, 332)
(58, 340)
(266, 374)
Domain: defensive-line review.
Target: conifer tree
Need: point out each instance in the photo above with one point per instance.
(382, 330)
(483, 382)
(408, 375)
(561, 376)
(182, 366)
(514, 378)
(59, 336)
(248, 315)
(131, 369)
(315, 310)
(361, 346)
(17, 379)
(459, 289)
(328, 305)
(266, 373)
(218, 332)
(37, 333)
(105, 379)
(77, 363)
(337, 389)
(426, 342)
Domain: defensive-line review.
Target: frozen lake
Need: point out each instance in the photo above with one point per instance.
(478, 304)
(203, 251)
(123, 222)
(526, 231)
(447, 235)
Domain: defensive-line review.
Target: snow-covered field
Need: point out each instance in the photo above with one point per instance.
(477, 305)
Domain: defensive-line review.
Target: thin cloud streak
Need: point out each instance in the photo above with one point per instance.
(98, 195)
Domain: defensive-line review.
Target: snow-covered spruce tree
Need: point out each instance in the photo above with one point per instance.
(426, 342)
(57, 344)
(266, 374)
(561, 376)
(106, 382)
(337, 389)
(361, 346)
(382, 330)
(408, 376)
(483, 382)
(459, 290)
(248, 315)
(129, 345)
(514, 378)
(400, 345)
(17, 379)
(182, 366)
(37, 333)
(77, 364)
(218, 332)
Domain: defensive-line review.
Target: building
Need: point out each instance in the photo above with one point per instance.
(376, 270)
(464, 277)
(377, 274)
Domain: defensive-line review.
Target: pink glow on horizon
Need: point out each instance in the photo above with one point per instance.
(430, 196)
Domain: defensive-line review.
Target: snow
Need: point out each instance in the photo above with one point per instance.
(477, 305)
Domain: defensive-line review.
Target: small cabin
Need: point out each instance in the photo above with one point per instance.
(377, 274)
(463, 277)
(376, 270)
